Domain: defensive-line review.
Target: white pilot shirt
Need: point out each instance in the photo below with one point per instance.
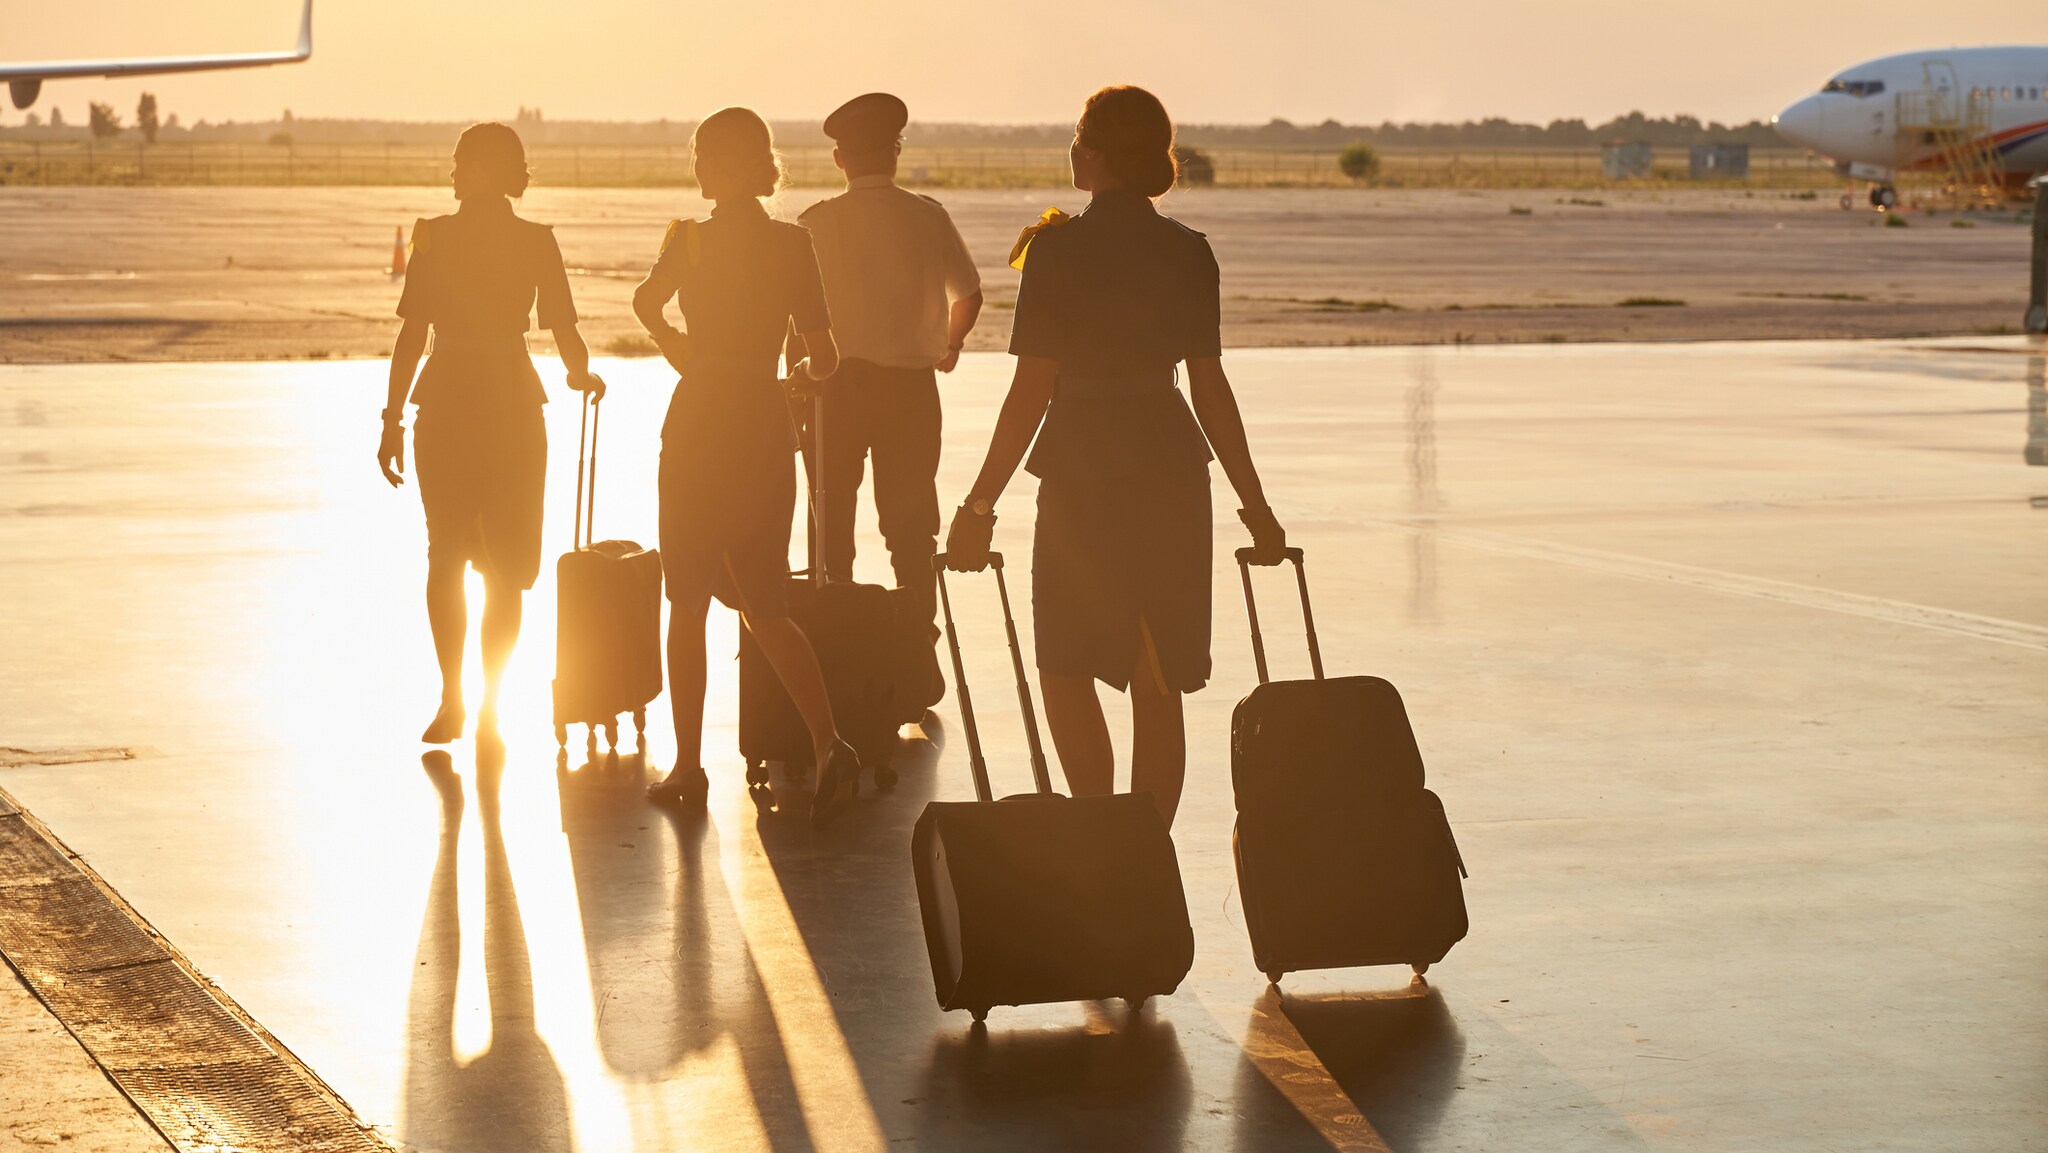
(893, 264)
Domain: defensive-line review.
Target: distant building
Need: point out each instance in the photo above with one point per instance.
(1625, 160)
(1719, 162)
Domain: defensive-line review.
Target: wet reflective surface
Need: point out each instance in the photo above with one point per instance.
(1726, 659)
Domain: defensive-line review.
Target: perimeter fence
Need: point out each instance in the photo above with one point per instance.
(668, 166)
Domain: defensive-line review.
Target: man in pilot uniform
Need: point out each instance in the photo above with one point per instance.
(904, 293)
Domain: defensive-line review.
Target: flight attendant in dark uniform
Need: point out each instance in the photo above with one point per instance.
(479, 445)
(728, 477)
(1111, 302)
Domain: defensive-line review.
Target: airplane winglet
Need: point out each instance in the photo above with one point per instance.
(26, 78)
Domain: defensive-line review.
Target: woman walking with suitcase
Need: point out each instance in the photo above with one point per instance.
(1111, 302)
(728, 484)
(480, 446)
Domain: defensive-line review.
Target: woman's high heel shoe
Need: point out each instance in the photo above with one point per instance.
(686, 786)
(836, 785)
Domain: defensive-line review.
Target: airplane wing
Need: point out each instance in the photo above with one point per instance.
(25, 80)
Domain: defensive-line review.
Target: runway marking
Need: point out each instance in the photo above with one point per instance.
(1997, 630)
(201, 1071)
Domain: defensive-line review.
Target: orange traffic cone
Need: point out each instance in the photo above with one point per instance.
(398, 252)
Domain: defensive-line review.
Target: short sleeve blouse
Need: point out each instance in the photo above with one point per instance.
(484, 272)
(742, 284)
(1117, 289)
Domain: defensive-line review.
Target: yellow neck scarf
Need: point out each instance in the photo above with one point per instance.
(1052, 218)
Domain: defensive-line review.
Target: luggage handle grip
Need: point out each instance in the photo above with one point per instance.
(585, 530)
(1040, 776)
(1249, 555)
(1246, 557)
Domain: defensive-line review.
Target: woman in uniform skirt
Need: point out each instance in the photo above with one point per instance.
(1112, 301)
(479, 444)
(728, 480)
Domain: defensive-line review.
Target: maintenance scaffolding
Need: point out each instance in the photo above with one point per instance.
(1942, 143)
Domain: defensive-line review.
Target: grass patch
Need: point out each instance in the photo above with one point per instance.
(1585, 202)
(1959, 222)
(1651, 302)
(1331, 303)
(1807, 295)
(1896, 220)
(1809, 194)
(1520, 210)
(631, 344)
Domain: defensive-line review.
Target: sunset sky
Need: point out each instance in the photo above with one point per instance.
(1306, 60)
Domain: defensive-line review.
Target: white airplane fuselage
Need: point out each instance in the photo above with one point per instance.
(1855, 119)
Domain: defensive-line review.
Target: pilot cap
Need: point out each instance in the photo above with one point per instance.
(872, 121)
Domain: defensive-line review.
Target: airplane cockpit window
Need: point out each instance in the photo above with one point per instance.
(1856, 88)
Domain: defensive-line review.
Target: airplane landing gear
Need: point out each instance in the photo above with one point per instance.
(1884, 196)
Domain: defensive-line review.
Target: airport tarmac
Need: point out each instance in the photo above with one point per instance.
(1727, 661)
(95, 274)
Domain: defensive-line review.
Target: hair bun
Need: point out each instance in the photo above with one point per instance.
(498, 156)
(1131, 129)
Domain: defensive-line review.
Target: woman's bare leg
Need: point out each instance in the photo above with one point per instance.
(448, 619)
(1080, 734)
(686, 677)
(1159, 742)
(686, 613)
(795, 662)
(504, 607)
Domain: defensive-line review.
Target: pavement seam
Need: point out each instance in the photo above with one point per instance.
(1997, 630)
(243, 1090)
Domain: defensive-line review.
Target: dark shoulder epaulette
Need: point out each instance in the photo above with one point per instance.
(932, 199)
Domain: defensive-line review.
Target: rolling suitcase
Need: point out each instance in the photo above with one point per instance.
(607, 617)
(861, 644)
(1343, 857)
(1042, 898)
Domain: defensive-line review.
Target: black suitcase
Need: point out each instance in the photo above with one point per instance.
(1343, 857)
(607, 618)
(865, 649)
(1042, 898)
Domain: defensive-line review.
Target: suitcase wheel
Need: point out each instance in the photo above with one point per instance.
(562, 737)
(590, 741)
(885, 776)
(1274, 975)
(980, 1015)
(1420, 967)
(640, 721)
(757, 773)
(611, 733)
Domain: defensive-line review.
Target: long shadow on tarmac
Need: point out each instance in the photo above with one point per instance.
(1397, 1056)
(512, 1095)
(671, 975)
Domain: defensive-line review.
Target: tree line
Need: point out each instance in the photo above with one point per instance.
(104, 123)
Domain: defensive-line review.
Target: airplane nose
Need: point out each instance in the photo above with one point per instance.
(1801, 123)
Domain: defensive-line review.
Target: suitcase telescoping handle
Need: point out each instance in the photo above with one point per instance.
(585, 530)
(1039, 775)
(1251, 610)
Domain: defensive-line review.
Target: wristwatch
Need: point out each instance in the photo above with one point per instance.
(980, 506)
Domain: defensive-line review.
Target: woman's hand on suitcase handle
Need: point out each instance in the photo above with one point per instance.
(391, 452)
(969, 540)
(587, 381)
(1269, 540)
